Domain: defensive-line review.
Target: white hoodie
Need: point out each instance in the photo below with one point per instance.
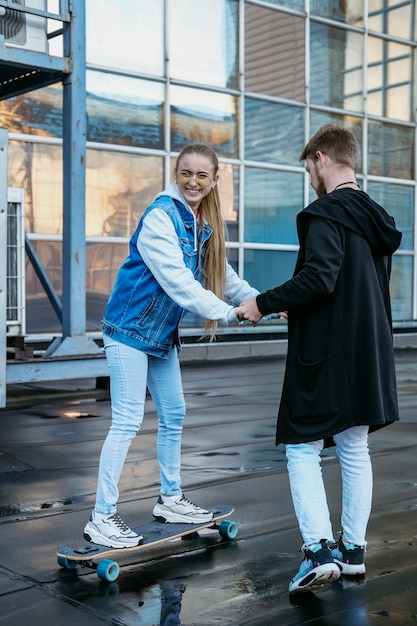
(159, 247)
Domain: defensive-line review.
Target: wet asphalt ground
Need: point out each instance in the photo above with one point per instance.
(50, 439)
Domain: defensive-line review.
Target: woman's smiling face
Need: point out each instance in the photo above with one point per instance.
(195, 178)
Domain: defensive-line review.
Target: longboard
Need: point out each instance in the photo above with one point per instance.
(97, 557)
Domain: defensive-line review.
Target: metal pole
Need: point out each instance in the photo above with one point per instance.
(74, 153)
(3, 263)
(74, 339)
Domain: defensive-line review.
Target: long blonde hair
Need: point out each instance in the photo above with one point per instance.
(214, 264)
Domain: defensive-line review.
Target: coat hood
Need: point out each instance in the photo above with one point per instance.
(357, 211)
(173, 192)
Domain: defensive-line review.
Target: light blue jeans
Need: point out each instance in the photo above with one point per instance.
(308, 491)
(131, 372)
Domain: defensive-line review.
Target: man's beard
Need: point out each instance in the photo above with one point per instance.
(320, 187)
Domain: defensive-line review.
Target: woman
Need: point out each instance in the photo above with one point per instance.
(178, 246)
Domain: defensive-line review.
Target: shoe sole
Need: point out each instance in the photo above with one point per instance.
(180, 519)
(315, 579)
(106, 541)
(349, 569)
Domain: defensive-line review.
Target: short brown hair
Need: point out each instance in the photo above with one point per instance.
(339, 143)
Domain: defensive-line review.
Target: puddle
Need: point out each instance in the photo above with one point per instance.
(149, 603)
(16, 509)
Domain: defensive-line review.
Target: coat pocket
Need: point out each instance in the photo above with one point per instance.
(313, 390)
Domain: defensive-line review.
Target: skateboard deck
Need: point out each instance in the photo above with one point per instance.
(97, 557)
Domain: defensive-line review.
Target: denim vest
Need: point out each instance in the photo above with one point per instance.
(139, 313)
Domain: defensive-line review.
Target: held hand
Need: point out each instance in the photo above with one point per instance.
(248, 310)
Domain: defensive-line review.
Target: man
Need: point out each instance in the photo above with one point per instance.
(340, 380)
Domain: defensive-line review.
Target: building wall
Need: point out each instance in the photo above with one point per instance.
(253, 79)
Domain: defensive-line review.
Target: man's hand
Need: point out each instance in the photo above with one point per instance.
(248, 310)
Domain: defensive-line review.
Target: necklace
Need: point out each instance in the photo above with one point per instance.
(348, 182)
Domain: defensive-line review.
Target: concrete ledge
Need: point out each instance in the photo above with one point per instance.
(405, 341)
(225, 351)
(95, 366)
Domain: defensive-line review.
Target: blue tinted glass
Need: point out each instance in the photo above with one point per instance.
(289, 4)
(128, 35)
(349, 11)
(272, 201)
(390, 150)
(204, 50)
(206, 117)
(274, 133)
(123, 110)
(401, 288)
(336, 67)
(266, 269)
(398, 201)
(38, 112)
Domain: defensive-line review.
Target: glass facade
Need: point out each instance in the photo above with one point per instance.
(253, 79)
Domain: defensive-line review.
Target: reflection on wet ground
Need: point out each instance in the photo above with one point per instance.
(142, 596)
(48, 465)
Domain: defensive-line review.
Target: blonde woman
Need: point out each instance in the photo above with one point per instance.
(177, 261)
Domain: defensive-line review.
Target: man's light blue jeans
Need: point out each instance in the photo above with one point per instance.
(131, 372)
(309, 495)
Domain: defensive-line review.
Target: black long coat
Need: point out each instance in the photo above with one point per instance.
(340, 369)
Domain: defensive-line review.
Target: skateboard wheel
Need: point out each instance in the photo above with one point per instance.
(228, 529)
(108, 570)
(66, 563)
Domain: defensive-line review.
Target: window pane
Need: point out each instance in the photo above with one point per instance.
(350, 11)
(318, 119)
(102, 260)
(393, 18)
(125, 111)
(204, 116)
(266, 269)
(272, 201)
(38, 112)
(274, 53)
(297, 5)
(401, 287)
(119, 187)
(40, 316)
(37, 168)
(228, 187)
(390, 76)
(398, 201)
(130, 39)
(336, 70)
(204, 50)
(232, 258)
(273, 132)
(390, 150)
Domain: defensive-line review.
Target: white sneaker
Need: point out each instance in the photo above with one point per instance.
(111, 531)
(180, 511)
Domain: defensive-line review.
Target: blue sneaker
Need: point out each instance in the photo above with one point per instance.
(316, 569)
(349, 558)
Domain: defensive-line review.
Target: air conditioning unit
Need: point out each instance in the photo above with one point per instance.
(16, 312)
(23, 30)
